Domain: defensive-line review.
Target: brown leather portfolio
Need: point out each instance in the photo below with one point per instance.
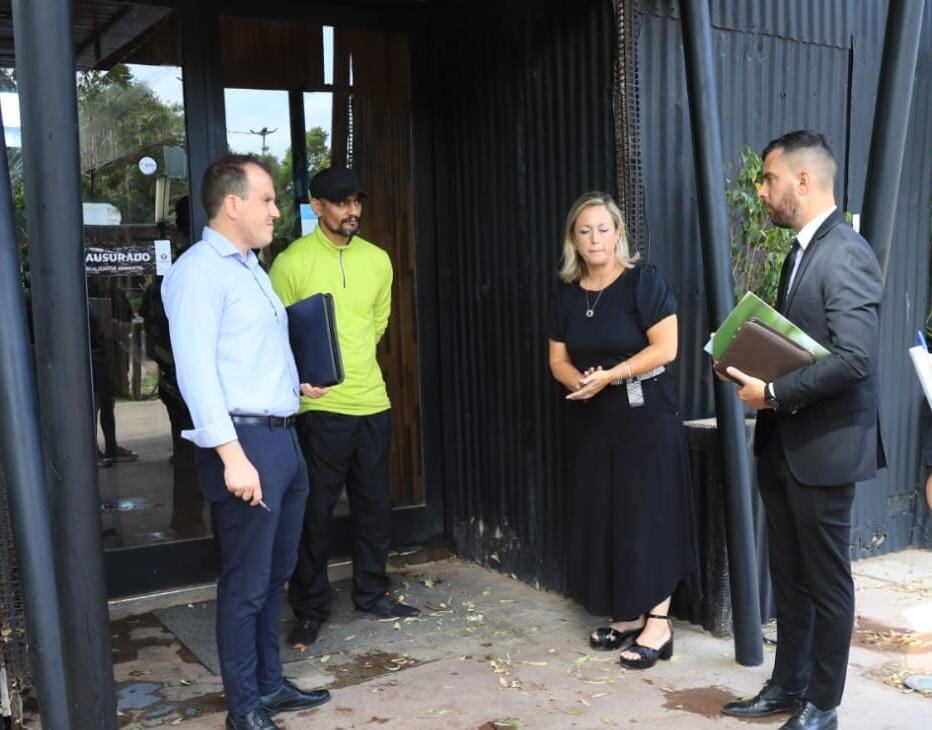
(763, 352)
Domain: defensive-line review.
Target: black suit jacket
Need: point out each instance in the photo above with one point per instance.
(827, 418)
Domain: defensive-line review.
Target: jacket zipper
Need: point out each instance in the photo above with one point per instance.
(342, 270)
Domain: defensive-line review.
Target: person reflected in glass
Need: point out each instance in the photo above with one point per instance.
(613, 332)
(187, 518)
(102, 383)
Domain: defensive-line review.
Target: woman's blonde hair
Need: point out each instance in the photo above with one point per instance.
(574, 267)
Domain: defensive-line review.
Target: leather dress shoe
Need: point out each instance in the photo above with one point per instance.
(258, 719)
(771, 700)
(288, 697)
(386, 607)
(810, 717)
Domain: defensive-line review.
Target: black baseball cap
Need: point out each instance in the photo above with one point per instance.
(336, 184)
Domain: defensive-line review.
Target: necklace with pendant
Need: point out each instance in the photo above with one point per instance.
(590, 308)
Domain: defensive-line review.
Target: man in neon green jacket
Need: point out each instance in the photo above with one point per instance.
(345, 434)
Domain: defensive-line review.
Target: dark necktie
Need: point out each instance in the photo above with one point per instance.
(785, 275)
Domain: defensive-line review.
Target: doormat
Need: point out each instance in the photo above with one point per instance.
(194, 624)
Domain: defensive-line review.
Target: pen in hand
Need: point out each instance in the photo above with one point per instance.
(264, 506)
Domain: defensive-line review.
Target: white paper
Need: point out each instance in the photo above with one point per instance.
(922, 361)
(163, 257)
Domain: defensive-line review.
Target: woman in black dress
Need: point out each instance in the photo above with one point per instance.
(613, 330)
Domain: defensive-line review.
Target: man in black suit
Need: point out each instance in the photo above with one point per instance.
(817, 433)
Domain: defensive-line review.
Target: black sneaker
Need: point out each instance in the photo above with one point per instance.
(121, 455)
(387, 607)
(303, 635)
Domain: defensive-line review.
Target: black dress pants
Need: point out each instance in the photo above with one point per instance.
(351, 451)
(257, 553)
(808, 529)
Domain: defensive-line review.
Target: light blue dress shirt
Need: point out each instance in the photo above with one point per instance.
(229, 334)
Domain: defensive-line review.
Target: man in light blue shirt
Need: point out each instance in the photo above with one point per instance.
(229, 336)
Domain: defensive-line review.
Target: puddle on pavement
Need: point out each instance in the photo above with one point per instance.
(157, 536)
(362, 667)
(705, 701)
(896, 674)
(205, 704)
(137, 695)
(874, 635)
(140, 701)
(127, 504)
(124, 646)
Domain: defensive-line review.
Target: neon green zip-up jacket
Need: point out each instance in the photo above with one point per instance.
(359, 276)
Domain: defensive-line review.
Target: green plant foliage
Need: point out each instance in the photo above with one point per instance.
(288, 227)
(758, 247)
(120, 119)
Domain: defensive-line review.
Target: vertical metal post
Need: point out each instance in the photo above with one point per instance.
(204, 108)
(46, 77)
(298, 142)
(23, 465)
(713, 225)
(891, 122)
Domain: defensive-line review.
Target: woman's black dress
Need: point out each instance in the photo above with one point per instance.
(632, 540)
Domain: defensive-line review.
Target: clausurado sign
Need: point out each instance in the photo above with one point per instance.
(127, 259)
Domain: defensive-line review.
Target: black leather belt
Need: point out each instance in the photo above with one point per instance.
(270, 421)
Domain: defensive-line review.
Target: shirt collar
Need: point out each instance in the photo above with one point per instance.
(224, 247)
(809, 230)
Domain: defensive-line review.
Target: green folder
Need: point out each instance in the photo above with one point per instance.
(753, 307)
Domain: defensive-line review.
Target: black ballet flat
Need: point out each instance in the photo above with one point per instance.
(647, 656)
(606, 638)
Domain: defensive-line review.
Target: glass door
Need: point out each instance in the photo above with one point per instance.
(136, 207)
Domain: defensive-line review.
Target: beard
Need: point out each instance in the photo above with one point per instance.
(347, 226)
(785, 212)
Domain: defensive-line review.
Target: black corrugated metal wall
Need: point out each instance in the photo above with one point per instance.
(519, 101)
(521, 108)
(781, 66)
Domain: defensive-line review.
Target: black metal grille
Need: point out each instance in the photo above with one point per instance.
(629, 177)
(13, 645)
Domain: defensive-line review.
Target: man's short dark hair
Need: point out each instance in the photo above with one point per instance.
(798, 140)
(227, 176)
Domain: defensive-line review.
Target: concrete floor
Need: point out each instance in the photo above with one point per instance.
(499, 654)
